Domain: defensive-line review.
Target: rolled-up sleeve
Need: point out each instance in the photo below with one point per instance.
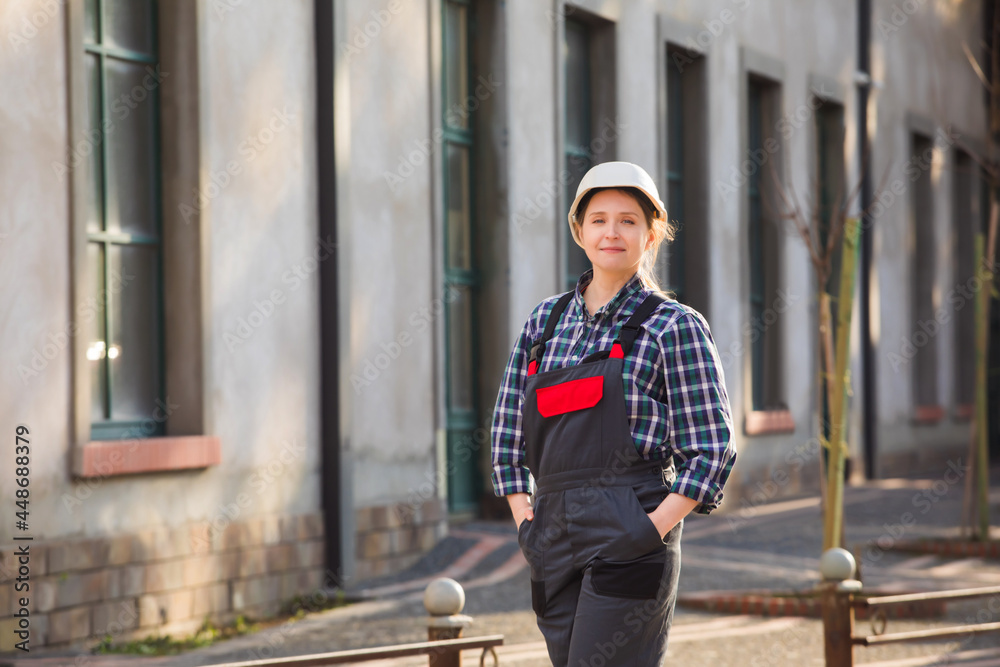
(701, 423)
(509, 474)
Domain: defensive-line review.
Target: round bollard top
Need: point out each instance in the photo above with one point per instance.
(444, 597)
(837, 564)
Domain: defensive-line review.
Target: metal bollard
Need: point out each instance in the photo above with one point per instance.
(444, 600)
(837, 591)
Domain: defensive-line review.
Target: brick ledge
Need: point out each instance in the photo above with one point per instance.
(925, 415)
(105, 458)
(794, 603)
(764, 422)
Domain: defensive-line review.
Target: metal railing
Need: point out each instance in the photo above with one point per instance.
(444, 599)
(443, 653)
(841, 596)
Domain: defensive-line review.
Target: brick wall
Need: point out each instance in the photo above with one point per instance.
(148, 582)
(390, 538)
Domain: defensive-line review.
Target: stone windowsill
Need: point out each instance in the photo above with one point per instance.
(964, 411)
(766, 422)
(106, 458)
(928, 414)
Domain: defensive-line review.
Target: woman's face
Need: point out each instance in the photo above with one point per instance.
(615, 233)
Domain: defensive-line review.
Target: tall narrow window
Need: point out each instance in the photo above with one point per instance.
(122, 314)
(675, 178)
(460, 273)
(964, 223)
(578, 130)
(922, 288)
(589, 128)
(830, 171)
(764, 331)
(830, 164)
(682, 264)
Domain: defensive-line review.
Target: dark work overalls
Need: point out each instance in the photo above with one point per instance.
(603, 583)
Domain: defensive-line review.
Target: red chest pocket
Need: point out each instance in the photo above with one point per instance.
(569, 396)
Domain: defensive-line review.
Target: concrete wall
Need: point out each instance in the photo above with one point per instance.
(264, 389)
(256, 237)
(258, 83)
(390, 247)
(34, 269)
(807, 48)
(534, 186)
(256, 114)
(735, 37)
(924, 84)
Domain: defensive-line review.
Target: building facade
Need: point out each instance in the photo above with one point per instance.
(263, 263)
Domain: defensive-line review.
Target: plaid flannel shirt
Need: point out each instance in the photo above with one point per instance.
(675, 392)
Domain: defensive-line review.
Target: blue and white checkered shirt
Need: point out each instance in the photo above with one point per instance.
(675, 391)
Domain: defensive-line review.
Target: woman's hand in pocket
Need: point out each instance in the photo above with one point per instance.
(520, 507)
(670, 512)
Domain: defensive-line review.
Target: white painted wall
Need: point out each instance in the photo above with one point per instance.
(263, 394)
(394, 309)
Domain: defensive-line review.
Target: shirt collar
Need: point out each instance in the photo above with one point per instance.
(633, 286)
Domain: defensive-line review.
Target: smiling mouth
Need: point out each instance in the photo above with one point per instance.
(613, 249)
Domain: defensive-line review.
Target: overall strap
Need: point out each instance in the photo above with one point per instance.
(630, 330)
(550, 327)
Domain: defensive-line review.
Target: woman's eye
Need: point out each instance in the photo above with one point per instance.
(628, 222)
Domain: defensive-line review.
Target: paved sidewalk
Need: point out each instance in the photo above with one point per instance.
(772, 547)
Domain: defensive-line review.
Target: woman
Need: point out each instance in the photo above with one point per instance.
(614, 400)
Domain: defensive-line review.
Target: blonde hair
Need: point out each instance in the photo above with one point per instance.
(663, 230)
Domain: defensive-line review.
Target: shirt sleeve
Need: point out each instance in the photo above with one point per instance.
(509, 473)
(701, 422)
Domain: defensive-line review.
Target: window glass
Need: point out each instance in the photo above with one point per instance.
(456, 66)
(129, 24)
(459, 219)
(460, 347)
(90, 21)
(132, 350)
(93, 140)
(91, 313)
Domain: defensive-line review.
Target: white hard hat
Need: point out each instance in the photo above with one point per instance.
(618, 175)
